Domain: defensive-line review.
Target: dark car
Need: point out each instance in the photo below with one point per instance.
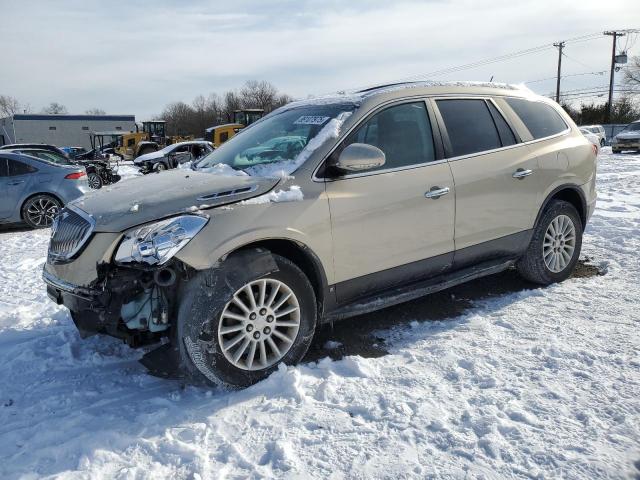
(173, 155)
(40, 146)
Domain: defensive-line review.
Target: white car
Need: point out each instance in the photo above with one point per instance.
(597, 130)
(593, 138)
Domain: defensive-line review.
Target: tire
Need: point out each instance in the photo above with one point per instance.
(613, 150)
(95, 181)
(209, 318)
(40, 210)
(560, 251)
(160, 167)
(602, 142)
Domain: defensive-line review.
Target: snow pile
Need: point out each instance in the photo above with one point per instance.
(535, 383)
(294, 194)
(127, 171)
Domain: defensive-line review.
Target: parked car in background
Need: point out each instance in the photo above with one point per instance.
(40, 146)
(597, 130)
(173, 155)
(75, 152)
(627, 139)
(99, 171)
(33, 190)
(592, 137)
(400, 191)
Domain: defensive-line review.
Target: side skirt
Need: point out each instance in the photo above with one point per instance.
(410, 292)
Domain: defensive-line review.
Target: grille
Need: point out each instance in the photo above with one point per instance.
(69, 233)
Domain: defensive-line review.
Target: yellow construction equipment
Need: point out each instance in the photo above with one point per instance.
(129, 145)
(241, 119)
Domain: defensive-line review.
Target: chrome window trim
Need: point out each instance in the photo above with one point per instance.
(56, 258)
(426, 99)
(486, 152)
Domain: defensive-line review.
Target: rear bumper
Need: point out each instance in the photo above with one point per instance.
(635, 145)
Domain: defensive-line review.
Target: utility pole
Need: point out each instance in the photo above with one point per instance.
(615, 36)
(559, 46)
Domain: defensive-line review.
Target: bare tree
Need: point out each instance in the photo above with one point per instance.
(178, 116)
(8, 106)
(95, 111)
(232, 102)
(258, 94)
(632, 75)
(205, 112)
(55, 108)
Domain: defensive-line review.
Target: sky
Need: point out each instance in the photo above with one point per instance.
(134, 57)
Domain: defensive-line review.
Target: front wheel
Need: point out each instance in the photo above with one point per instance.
(160, 167)
(555, 245)
(39, 211)
(602, 142)
(235, 327)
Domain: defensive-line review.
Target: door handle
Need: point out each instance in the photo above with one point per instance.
(17, 182)
(436, 192)
(521, 173)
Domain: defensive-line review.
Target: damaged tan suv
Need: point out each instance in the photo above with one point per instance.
(322, 210)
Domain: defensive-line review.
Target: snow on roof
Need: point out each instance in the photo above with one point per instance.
(375, 90)
(356, 97)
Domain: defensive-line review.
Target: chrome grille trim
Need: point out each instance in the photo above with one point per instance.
(70, 231)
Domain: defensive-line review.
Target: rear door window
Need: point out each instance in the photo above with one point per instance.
(469, 125)
(540, 119)
(18, 168)
(4, 167)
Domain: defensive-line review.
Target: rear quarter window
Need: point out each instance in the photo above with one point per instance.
(540, 119)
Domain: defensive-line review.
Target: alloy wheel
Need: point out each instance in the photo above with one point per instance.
(41, 211)
(259, 324)
(559, 243)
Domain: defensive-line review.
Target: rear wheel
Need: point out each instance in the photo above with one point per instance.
(94, 181)
(602, 142)
(555, 245)
(40, 210)
(238, 333)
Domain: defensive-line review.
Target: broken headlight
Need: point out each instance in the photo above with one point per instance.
(155, 243)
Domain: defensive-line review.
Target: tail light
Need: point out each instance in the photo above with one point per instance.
(75, 175)
(595, 149)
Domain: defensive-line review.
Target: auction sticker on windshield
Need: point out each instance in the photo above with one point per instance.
(310, 120)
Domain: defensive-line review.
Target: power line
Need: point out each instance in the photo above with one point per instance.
(601, 72)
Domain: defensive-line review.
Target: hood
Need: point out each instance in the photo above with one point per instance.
(149, 156)
(632, 134)
(156, 196)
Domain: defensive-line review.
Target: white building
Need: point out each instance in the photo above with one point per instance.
(60, 130)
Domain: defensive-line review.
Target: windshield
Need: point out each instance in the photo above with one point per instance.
(276, 143)
(632, 127)
(48, 156)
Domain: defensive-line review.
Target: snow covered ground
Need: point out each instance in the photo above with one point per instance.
(536, 383)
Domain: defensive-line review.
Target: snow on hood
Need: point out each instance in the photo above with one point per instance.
(153, 197)
(294, 194)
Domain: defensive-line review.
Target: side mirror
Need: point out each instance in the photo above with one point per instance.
(358, 157)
